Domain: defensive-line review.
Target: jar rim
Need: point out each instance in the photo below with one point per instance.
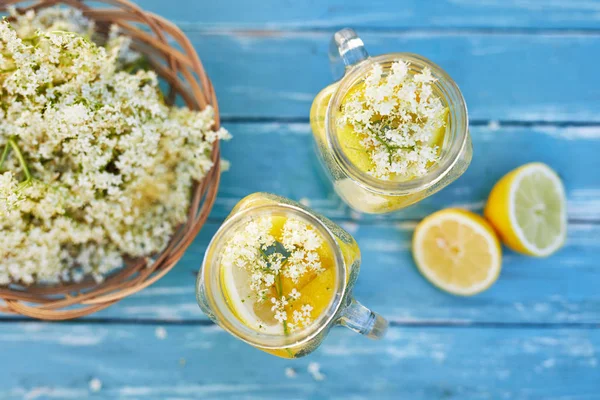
(229, 321)
(459, 123)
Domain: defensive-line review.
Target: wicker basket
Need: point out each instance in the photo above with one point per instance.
(182, 69)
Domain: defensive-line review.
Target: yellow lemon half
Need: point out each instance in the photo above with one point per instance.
(528, 209)
(457, 251)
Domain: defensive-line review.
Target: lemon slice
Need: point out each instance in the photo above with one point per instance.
(457, 251)
(354, 149)
(358, 197)
(254, 314)
(528, 209)
(437, 139)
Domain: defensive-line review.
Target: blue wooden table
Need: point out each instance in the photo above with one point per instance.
(529, 72)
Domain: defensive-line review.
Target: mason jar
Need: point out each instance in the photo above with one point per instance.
(360, 190)
(216, 301)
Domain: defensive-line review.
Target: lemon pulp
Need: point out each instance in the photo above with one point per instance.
(528, 208)
(457, 251)
(316, 290)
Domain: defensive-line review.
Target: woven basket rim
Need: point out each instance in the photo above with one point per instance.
(185, 74)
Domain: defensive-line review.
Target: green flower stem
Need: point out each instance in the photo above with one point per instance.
(4, 155)
(286, 331)
(30, 38)
(279, 290)
(390, 148)
(21, 159)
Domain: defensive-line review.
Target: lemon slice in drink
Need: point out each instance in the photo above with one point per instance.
(528, 208)
(457, 251)
(255, 314)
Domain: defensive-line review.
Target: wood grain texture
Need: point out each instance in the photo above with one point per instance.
(560, 290)
(381, 14)
(203, 362)
(515, 77)
(280, 158)
(531, 65)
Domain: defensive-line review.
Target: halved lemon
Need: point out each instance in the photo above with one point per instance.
(528, 209)
(457, 251)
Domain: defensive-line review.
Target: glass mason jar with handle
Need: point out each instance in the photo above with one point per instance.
(222, 288)
(359, 189)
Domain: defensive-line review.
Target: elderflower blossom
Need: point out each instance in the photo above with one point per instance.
(254, 249)
(396, 117)
(60, 19)
(302, 317)
(279, 308)
(302, 243)
(96, 167)
(295, 294)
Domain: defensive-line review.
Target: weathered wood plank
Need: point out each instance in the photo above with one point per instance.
(511, 65)
(521, 77)
(379, 14)
(560, 289)
(280, 158)
(203, 362)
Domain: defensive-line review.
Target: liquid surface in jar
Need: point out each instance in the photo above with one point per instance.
(278, 274)
(391, 124)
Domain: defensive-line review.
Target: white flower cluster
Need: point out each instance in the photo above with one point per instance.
(61, 19)
(302, 244)
(94, 167)
(51, 19)
(254, 249)
(302, 317)
(396, 117)
(279, 308)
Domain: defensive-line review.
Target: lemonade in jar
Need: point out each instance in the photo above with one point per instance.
(392, 131)
(278, 276)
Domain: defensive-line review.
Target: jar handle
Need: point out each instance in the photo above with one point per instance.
(364, 321)
(345, 50)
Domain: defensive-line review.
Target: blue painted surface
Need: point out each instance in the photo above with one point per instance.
(507, 76)
(529, 73)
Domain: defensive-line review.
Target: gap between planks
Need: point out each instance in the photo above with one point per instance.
(190, 28)
(232, 119)
(393, 324)
(379, 220)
